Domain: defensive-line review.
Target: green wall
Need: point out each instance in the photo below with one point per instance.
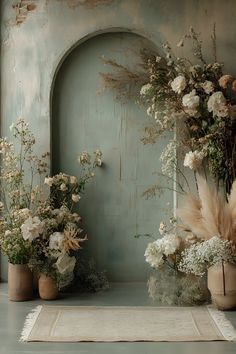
(35, 41)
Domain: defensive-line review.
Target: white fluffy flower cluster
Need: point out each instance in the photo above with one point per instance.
(157, 250)
(32, 228)
(200, 256)
(193, 159)
(178, 84)
(169, 159)
(145, 89)
(217, 105)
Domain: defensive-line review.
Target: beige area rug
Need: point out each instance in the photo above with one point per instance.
(127, 324)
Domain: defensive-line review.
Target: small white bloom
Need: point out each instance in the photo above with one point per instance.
(63, 187)
(217, 104)
(162, 228)
(193, 159)
(145, 89)
(73, 180)
(178, 84)
(12, 127)
(98, 161)
(208, 87)
(65, 264)
(191, 100)
(48, 181)
(32, 228)
(76, 198)
(56, 241)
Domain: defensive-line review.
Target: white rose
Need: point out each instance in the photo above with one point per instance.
(217, 104)
(76, 198)
(32, 228)
(208, 87)
(193, 159)
(56, 241)
(48, 181)
(178, 84)
(191, 100)
(65, 264)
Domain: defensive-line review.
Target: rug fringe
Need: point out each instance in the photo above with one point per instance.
(29, 323)
(224, 325)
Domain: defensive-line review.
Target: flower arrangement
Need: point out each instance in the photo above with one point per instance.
(18, 192)
(168, 283)
(40, 227)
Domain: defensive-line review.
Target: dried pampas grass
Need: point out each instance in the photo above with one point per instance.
(209, 214)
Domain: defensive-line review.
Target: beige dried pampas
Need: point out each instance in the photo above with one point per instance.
(209, 214)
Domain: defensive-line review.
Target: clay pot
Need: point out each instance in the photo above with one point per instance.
(47, 288)
(20, 282)
(221, 280)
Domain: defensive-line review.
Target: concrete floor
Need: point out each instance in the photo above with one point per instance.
(12, 317)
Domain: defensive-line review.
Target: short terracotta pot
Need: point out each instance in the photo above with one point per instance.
(20, 282)
(48, 289)
(221, 280)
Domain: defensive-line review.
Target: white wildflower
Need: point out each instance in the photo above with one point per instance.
(217, 104)
(49, 181)
(76, 198)
(193, 159)
(162, 228)
(84, 158)
(63, 187)
(178, 84)
(145, 89)
(32, 228)
(65, 264)
(73, 180)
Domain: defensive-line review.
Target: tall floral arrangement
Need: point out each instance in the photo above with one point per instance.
(21, 191)
(39, 221)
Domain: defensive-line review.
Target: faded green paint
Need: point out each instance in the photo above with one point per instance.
(31, 53)
(113, 209)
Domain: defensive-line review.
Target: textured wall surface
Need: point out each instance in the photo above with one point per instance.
(38, 35)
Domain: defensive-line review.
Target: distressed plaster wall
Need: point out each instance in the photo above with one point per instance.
(37, 35)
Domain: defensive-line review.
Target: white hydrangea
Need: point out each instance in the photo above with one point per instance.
(170, 244)
(191, 100)
(178, 84)
(145, 89)
(208, 87)
(65, 264)
(76, 198)
(217, 104)
(193, 159)
(154, 254)
(164, 246)
(56, 241)
(32, 228)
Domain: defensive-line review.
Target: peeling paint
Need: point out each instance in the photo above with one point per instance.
(22, 8)
(89, 4)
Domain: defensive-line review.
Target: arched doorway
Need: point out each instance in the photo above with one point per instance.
(113, 209)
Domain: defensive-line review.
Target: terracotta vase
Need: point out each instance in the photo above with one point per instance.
(20, 282)
(221, 280)
(47, 288)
